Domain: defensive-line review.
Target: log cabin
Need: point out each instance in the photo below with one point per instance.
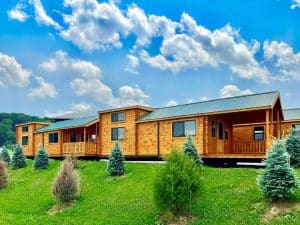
(240, 127)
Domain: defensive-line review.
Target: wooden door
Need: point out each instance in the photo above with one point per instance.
(220, 138)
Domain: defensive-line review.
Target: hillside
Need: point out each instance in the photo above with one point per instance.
(229, 196)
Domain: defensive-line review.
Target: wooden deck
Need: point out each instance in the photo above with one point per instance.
(234, 156)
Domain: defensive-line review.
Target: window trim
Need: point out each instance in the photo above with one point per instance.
(263, 132)
(213, 127)
(111, 134)
(26, 142)
(117, 121)
(53, 138)
(26, 130)
(183, 121)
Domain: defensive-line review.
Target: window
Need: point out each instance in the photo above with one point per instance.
(116, 117)
(25, 140)
(221, 131)
(184, 128)
(53, 137)
(226, 134)
(117, 133)
(259, 133)
(25, 129)
(82, 137)
(213, 128)
(296, 127)
(73, 137)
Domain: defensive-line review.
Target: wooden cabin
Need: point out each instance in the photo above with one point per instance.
(236, 127)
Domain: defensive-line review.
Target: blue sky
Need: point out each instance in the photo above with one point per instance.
(86, 55)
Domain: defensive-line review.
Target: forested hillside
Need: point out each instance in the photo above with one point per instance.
(8, 122)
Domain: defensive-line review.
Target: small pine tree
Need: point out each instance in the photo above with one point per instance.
(293, 147)
(41, 160)
(190, 149)
(116, 162)
(4, 155)
(176, 183)
(66, 183)
(3, 175)
(18, 159)
(278, 179)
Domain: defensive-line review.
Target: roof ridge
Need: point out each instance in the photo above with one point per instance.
(216, 99)
(291, 109)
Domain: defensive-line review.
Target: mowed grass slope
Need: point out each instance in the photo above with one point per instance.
(228, 196)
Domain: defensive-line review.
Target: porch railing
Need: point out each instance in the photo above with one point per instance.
(249, 147)
(79, 148)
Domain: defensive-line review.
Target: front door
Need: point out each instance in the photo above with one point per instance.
(220, 138)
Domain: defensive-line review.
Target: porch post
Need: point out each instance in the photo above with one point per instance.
(271, 124)
(97, 136)
(61, 140)
(278, 126)
(84, 140)
(267, 129)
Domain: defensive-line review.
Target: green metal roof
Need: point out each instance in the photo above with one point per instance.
(68, 124)
(217, 105)
(291, 114)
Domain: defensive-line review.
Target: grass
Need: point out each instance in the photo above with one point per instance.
(228, 196)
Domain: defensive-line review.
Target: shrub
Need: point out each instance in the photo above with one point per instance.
(177, 182)
(116, 162)
(278, 179)
(18, 159)
(41, 160)
(4, 155)
(73, 158)
(293, 147)
(66, 183)
(3, 175)
(190, 149)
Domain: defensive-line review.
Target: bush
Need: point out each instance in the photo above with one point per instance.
(278, 179)
(18, 159)
(293, 147)
(190, 149)
(4, 155)
(116, 162)
(3, 175)
(176, 183)
(41, 161)
(66, 183)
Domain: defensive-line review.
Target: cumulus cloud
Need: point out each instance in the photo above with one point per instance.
(82, 107)
(57, 113)
(12, 73)
(204, 98)
(45, 90)
(232, 90)
(285, 59)
(86, 81)
(296, 4)
(41, 15)
(171, 103)
(133, 64)
(17, 13)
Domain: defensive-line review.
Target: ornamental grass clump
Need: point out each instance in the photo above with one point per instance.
(66, 183)
(116, 162)
(278, 180)
(3, 174)
(41, 160)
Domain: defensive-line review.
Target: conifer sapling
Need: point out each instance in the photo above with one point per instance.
(293, 147)
(4, 155)
(18, 159)
(116, 162)
(190, 149)
(41, 160)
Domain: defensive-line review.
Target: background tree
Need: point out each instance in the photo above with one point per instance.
(3, 175)
(116, 162)
(41, 161)
(7, 135)
(293, 147)
(4, 155)
(190, 149)
(66, 183)
(18, 159)
(278, 179)
(177, 182)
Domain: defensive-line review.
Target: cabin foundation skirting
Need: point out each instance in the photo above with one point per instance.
(242, 127)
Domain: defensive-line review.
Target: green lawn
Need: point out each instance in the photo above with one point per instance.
(228, 196)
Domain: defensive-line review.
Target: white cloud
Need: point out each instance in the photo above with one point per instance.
(41, 15)
(133, 64)
(61, 62)
(296, 4)
(82, 107)
(17, 13)
(232, 90)
(12, 73)
(286, 61)
(190, 100)
(171, 103)
(57, 113)
(127, 92)
(204, 98)
(45, 90)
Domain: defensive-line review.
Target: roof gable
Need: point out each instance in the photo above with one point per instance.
(291, 114)
(261, 100)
